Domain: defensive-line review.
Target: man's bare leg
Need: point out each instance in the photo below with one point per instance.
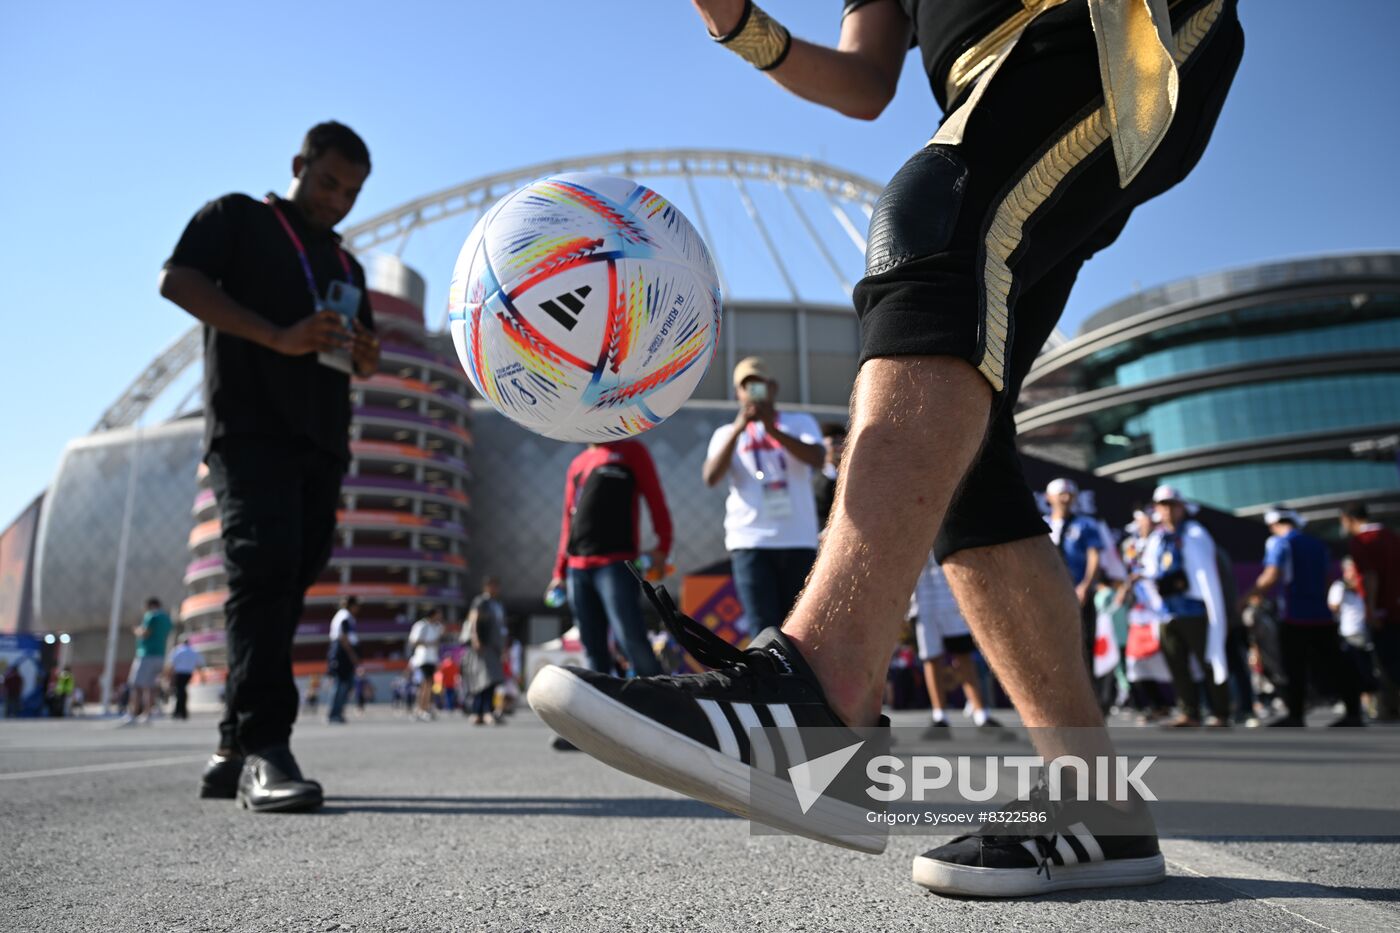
(916, 425)
(935, 688)
(965, 675)
(1020, 606)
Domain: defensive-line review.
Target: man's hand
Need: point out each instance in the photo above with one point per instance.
(364, 350)
(767, 414)
(553, 582)
(1081, 590)
(321, 332)
(658, 561)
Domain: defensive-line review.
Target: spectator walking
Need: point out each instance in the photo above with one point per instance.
(770, 523)
(824, 480)
(63, 692)
(1376, 550)
(343, 657)
(1149, 679)
(1081, 544)
(1180, 561)
(1236, 643)
(1349, 609)
(152, 635)
(1295, 564)
(944, 640)
(449, 674)
(14, 690)
(599, 533)
(184, 661)
(423, 641)
(484, 636)
(286, 316)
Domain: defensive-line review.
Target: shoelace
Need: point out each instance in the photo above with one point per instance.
(1044, 845)
(702, 644)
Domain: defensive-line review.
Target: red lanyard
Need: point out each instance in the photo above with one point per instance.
(301, 254)
(757, 446)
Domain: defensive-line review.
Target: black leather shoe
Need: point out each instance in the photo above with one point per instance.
(272, 782)
(220, 778)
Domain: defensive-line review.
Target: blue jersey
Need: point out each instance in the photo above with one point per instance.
(1302, 564)
(1076, 537)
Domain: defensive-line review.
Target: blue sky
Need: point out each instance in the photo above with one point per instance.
(119, 120)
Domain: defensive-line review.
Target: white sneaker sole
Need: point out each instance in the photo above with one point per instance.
(971, 881)
(642, 747)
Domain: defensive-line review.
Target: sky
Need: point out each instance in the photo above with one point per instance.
(119, 120)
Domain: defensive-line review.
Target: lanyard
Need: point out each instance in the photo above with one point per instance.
(301, 254)
(757, 446)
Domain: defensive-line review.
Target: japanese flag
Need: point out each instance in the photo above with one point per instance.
(1105, 646)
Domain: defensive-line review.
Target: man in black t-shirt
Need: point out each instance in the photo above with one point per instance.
(1062, 116)
(260, 276)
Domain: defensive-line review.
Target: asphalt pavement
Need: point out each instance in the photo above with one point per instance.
(445, 826)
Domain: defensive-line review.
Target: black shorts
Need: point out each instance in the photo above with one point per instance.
(428, 670)
(974, 248)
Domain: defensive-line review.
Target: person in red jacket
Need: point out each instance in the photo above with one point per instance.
(600, 533)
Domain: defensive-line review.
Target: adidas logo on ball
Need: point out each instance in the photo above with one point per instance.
(573, 301)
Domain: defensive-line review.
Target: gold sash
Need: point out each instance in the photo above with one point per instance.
(1136, 66)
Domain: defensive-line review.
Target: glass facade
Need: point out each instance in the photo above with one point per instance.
(1259, 411)
(1259, 483)
(1235, 351)
(1336, 313)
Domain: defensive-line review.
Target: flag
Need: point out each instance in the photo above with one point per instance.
(1105, 646)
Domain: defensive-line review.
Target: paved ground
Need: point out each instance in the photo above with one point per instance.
(439, 826)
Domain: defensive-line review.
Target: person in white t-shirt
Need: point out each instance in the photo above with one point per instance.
(770, 521)
(423, 640)
(1349, 609)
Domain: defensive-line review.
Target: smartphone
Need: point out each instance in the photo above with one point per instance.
(758, 392)
(344, 299)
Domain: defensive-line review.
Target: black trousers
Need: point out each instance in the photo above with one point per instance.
(1034, 175)
(277, 499)
(1183, 638)
(181, 683)
(1316, 650)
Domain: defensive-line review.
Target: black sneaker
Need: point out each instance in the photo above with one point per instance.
(1120, 851)
(937, 731)
(694, 733)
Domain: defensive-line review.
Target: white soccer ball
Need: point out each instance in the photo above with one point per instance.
(585, 307)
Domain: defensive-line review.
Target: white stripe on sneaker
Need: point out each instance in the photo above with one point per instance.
(1029, 846)
(1085, 838)
(787, 731)
(723, 733)
(760, 753)
(1067, 854)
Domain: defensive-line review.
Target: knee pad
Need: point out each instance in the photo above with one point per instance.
(918, 210)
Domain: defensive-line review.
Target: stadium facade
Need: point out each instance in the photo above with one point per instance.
(441, 489)
(1276, 383)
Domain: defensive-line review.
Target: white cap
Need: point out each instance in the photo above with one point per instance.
(1282, 514)
(1058, 486)
(1166, 493)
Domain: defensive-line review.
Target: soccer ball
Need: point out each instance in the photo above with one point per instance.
(585, 307)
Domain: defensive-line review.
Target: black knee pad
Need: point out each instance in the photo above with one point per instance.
(918, 210)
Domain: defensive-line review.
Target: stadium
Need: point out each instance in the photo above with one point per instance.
(1277, 383)
(443, 490)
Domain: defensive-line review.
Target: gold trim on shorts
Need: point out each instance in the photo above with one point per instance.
(1034, 189)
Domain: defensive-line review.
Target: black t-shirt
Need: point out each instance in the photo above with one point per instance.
(248, 389)
(602, 511)
(943, 30)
